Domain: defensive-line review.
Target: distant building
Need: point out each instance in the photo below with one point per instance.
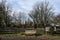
(56, 27)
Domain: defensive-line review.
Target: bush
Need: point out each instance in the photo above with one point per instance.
(51, 31)
(38, 33)
(22, 33)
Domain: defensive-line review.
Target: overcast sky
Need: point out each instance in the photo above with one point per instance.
(27, 5)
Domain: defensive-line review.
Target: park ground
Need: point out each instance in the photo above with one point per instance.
(18, 36)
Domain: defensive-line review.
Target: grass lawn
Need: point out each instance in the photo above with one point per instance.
(18, 36)
(9, 34)
(56, 35)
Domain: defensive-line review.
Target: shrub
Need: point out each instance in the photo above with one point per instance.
(22, 33)
(51, 31)
(38, 33)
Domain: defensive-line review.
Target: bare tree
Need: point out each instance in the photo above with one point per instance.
(57, 19)
(5, 17)
(42, 14)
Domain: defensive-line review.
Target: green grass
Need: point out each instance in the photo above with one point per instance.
(9, 34)
(57, 35)
(54, 35)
